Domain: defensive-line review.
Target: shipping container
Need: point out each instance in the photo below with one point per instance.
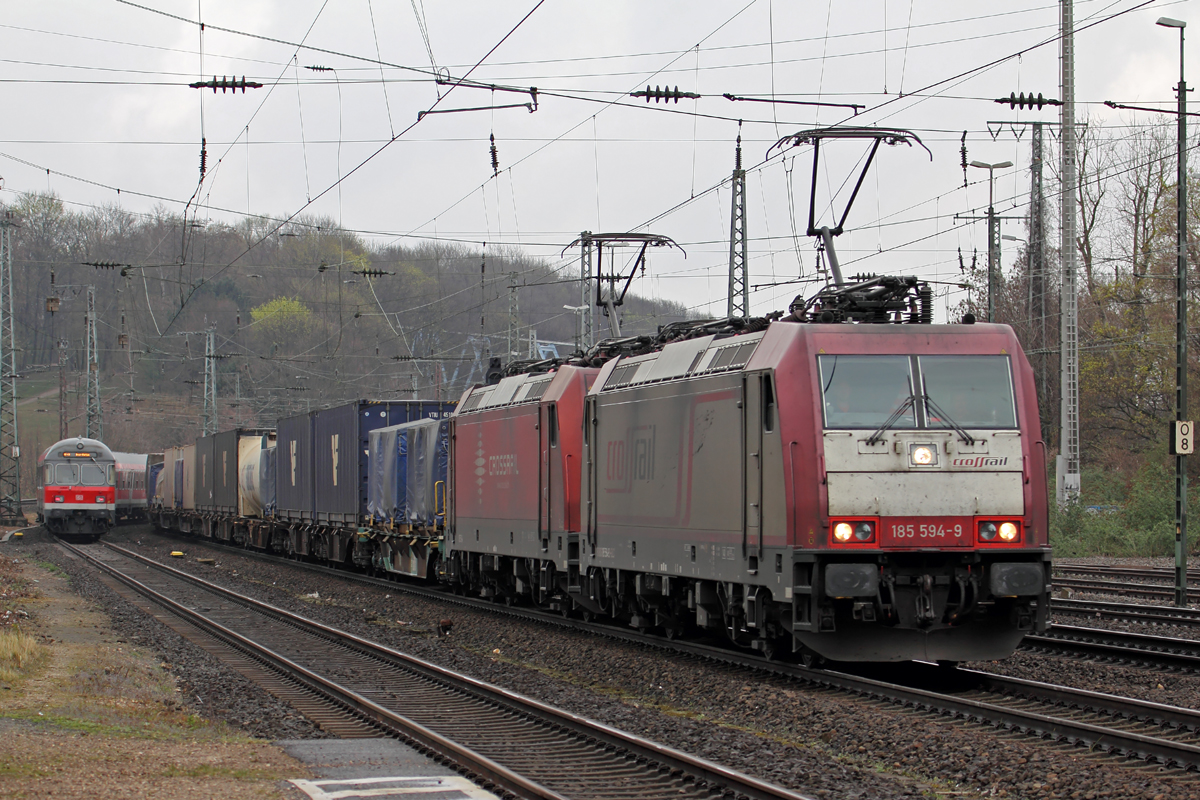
(203, 459)
(187, 483)
(341, 445)
(406, 484)
(251, 446)
(168, 491)
(266, 478)
(227, 460)
(153, 477)
(294, 468)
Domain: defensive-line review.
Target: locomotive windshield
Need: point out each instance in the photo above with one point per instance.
(975, 391)
(864, 391)
(93, 475)
(965, 392)
(66, 474)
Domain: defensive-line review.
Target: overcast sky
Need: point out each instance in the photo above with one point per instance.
(96, 91)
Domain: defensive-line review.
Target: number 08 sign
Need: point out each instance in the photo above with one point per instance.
(1183, 438)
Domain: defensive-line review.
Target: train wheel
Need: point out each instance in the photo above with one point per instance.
(810, 659)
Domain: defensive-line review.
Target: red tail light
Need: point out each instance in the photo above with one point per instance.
(58, 498)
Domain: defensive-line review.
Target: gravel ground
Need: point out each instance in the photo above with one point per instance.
(211, 690)
(782, 731)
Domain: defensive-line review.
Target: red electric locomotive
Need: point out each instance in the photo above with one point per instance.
(859, 492)
(77, 489)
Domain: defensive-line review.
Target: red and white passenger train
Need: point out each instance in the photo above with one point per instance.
(77, 494)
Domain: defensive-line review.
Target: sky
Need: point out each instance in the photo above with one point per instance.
(96, 99)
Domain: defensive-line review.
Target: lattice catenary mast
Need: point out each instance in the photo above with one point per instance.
(95, 410)
(1068, 483)
(739, 286)
(10, 450)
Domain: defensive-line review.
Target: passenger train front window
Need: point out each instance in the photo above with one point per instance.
(66, 474)
(93, 475)
(864, 391)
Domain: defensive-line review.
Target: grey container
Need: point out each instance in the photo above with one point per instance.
(294, 468)
(205, 489)
(341, 444)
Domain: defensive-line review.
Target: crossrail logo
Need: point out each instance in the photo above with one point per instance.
(980, 461)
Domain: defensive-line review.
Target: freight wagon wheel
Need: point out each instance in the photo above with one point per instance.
(810, 659)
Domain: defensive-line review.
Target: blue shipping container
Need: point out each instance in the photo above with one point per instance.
(341, 445)
(152, 478)
(294, 468)
(406, 484)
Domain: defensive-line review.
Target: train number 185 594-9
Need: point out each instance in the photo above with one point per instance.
(925, 531)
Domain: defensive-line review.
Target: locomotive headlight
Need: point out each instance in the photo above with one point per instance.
(864, 531)
(99, 498)
(922, 455)
(58, 498)
(987, 531)
(1009, 531)
(843, 531)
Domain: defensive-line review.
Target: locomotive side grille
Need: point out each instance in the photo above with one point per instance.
(473, 402)
(621, 376)
(729, 357)
(535, 391)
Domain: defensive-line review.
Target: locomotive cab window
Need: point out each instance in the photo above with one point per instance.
(92, 475)
(970, 391)
(552, 423)
(66, 474)
(865, 391)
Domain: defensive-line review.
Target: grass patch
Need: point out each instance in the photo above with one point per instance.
(20, 655)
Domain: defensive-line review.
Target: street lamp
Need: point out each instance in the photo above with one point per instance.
(1181, 398)
(993, 234)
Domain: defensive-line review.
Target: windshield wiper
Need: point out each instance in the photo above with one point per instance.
(944, 417)
(877, 436)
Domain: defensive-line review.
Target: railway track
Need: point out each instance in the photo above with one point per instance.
(1135, 612)
(1129, 648)
(1123, 589)
(507, 742)
(1123, 727)
(1152, 573)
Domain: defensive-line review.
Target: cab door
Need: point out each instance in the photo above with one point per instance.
(547, 452)
(752, 467)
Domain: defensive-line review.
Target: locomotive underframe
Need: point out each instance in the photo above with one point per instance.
(78, 522)
(916, 605)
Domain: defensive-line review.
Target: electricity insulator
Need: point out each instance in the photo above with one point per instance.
(666, 94)
(495, 156)
(1022, 100)
(963, 153)
(372, 273)
(227, 84)
(203, 157)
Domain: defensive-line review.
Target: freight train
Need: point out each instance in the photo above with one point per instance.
(806, 485)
